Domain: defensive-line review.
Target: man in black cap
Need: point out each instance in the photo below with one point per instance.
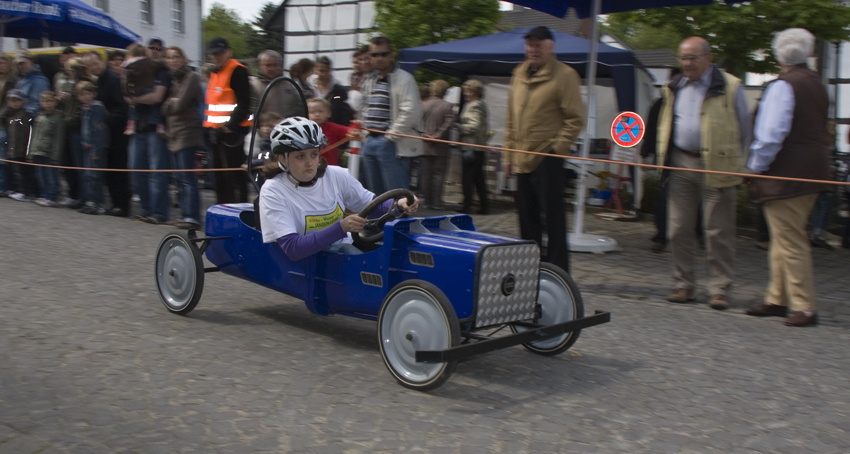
(545, 115)
(228, 118)
(156, 49)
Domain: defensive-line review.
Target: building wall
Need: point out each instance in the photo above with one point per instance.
(331, 28)
(841, 92)
(128, 13)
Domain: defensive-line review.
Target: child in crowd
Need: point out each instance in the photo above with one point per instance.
(138, 79)
(320, 111)
(48, 140)
(95, 138)
(18, 122)
(262, 143)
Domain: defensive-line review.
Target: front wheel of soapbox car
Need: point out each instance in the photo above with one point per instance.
(416, 315)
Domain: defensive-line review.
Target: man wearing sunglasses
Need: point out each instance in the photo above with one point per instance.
(391, 104)
(156, 49)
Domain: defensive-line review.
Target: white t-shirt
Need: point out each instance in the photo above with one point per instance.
(286, 208)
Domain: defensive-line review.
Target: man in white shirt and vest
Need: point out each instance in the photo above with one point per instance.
(228, 118)
(791, 140)
(704, 123)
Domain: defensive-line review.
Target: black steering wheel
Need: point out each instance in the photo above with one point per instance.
(374, 229)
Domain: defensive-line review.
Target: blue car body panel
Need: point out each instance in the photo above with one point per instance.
(441, 250)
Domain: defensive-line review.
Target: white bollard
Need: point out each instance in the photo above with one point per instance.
(354, 159)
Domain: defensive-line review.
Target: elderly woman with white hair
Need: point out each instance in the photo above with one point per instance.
(791, 141)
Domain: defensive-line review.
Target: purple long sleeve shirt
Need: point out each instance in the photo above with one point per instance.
(297, 247)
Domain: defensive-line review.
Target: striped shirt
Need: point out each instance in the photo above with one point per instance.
(378, 113)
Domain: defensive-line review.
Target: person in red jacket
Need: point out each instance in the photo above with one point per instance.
(320, 111)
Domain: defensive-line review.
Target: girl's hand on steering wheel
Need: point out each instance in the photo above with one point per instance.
(408, 210)
(352, 224)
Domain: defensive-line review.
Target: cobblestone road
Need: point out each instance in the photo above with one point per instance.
(90, 362)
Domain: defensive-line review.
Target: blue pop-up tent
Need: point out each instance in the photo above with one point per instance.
(585, 8)
(62, 20)
(499, 53)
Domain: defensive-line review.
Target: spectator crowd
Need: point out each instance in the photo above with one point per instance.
(146, 109)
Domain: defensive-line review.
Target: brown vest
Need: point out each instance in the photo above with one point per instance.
(805, 152)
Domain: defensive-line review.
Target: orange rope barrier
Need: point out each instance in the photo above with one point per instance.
(334, 145)
(611, 161)
(450, 142)
(121, 170)
(324, 150)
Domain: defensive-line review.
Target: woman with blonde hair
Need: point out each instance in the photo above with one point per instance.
(437, 117)
(8, 77)
(474, 129)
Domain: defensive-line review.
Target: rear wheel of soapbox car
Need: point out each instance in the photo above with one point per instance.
(179, 273)
(416, 315)
(560, 302)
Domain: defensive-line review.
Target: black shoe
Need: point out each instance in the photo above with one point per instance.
(118, 212)
(154, 219)
(186, 225)
(88, 209)
(820, 242)
(465, 210)
(484, 211)
(657, 247)
(845, 244)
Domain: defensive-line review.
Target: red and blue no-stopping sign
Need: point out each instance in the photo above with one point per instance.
(627, 129)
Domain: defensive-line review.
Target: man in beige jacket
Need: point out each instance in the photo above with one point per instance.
(545, 115)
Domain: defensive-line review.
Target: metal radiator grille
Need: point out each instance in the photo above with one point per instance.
(507, 283)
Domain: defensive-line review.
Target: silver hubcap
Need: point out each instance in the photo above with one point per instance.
(176, 273)
(557, 306)
(413, 321)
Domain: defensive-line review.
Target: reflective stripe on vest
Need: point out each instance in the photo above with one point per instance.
(222, 98)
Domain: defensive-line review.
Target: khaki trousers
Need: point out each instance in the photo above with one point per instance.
(792, 280)
(687, 193)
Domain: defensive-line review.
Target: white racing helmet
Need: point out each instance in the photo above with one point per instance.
(295, 134)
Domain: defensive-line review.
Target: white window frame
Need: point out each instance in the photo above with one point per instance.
(146, 12)
(178, 14)
(102, 5)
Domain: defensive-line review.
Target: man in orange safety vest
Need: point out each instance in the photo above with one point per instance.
(228, 118)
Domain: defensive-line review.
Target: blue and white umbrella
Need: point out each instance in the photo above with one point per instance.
(62, 20)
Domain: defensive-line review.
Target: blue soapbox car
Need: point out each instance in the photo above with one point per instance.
(439, 290)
